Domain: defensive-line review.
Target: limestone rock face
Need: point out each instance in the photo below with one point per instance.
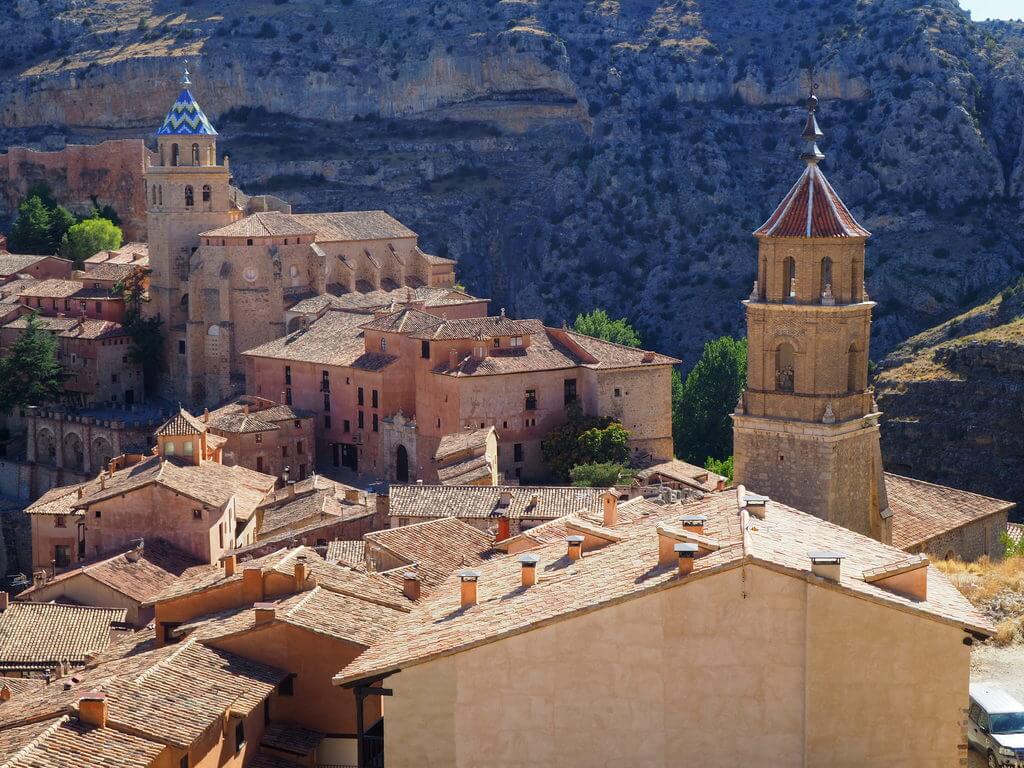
(577, 155)
(953, 400)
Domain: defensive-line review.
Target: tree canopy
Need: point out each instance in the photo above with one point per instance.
(88, 237)
(146, 332)
(584, 440)
(600, 474)
(600, 326)
(41, 224)
(701, 406)
(30, 373)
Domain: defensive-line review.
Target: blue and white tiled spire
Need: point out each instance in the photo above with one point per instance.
(186, 117)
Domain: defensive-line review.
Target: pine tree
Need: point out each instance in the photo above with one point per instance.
(701, 421)
(31, 230)
(30, 373)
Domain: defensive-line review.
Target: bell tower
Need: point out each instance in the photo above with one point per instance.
(805, 431)
(187, 193)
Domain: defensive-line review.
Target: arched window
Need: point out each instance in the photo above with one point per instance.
(189, 197)
(206, 193)
(160, 191)
(195, 154)
(826, 275)
(784, 373)
(852, 369)
(210, 156)
(174, 154)
(154, 194)
(789, 279)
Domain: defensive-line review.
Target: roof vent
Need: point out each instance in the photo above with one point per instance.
(529, 568)
(264, 612)
(610, 508)
(92, 709)
(693, 523)
(756, 505)
(575, 547)
(685, 552)
(411, 585)
(469, 579)
(826, 563)
(505, 498)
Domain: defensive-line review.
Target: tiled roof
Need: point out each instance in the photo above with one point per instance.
(109, 271)
(186, 118)
(433, 549)
(58, 501)
(411, 321)
(63, 742)
(54, 288)
(334, 339)
(13, 263)
(273, 223)
(606, 354)
(438, 626)
(12, 290)
(204, 577)
(291, 738)
(140, 577)
(811, 208)
(346, 552)
(293, 512)
(182, 423)
(682, 472)
(470, 502)
(465, 472)
(477, 327)
(129, 253)
(239, 423)
(44, 634)
(209, 482)
(17, 685)
(459, 442)
(922, 511)
(354, 225)
(430, 296)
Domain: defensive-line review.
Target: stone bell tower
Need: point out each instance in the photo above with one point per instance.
(187, 193)
(805, 431)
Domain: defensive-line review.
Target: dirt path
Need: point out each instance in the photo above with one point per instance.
(1003, 666)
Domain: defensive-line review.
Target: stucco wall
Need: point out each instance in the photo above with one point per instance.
(712, 673)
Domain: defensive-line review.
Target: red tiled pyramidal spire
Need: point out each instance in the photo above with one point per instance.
(811, 208)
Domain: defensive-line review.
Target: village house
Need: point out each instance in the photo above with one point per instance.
(368, 380)
(794, 627)
(129, 254)
(128, 579)
(679, 475)
(265, 436)
(14, 266)
(92, 298)
(38, 638)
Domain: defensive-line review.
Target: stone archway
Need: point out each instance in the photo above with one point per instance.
(74, 452)
(102, 452)
(46, 446)
(401, 464)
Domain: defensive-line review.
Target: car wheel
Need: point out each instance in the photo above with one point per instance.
(992, 762)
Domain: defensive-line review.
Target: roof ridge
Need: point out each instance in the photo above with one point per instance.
(146, 673)
(35, 742)
(301, 603)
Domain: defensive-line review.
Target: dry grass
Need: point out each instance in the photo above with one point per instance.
(997, 588)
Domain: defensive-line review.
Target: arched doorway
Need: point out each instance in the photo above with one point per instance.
(402, 465)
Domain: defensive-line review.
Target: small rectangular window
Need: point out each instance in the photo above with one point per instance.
(284, 450)
(298, 447)
(327, 401)
(59, 522)
(288, 396)
(531, 400)
(375, 429)
(197, 514)
(374, 399)
(188, 447)
(517, 452)
(98, 514)
(359, 396)
(618, 392)
(259, 438)
(360, 419)
(287, 686)
(346, 426)
(425, 349)
(287, 374)
(181, 346)
(239, 735)
(327, 421)
(569, 388)
(259, 463)
(183, 763)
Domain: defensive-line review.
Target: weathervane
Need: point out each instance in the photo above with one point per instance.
(812, 133)
(184, 77)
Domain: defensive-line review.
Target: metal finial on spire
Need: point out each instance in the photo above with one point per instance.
(184, 77)
(812, 133)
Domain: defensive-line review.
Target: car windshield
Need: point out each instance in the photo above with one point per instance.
(1010, 722)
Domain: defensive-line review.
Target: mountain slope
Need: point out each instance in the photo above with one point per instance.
(577, 154)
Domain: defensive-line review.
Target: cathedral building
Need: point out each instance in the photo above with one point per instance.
(806, 429)
(226, 266)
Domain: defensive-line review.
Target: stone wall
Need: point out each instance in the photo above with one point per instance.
(112, 171)
(968, 542)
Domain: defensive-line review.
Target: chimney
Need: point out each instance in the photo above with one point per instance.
(826, 564)
(291, 488)
(230, 561)
(5, 692)
(756, 505)
(720, 485)
(133, 554)
(469, 579)
(503, 528)
(245, 409)
(81, 491)
(529, 569)
(693, 523)
(575, 547)
(610, 506)
(411, 585)
(39, 578)
(252, 583)
(284, 397)
(453, 358)
(92, 709)
(110, 469)
(206, 415)
(505, 498)
(352, 494)
(5, 600)
(103, 482)
(301, 572)
(263, 613)
(685, 552)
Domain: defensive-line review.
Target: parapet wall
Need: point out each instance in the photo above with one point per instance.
(111, 171)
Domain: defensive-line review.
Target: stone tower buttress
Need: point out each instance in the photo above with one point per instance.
(805, 431)
(187, 193)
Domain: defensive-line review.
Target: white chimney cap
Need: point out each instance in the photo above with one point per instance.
(467, 574)
(825, 556)
(755, 499)
(529, 560)
(685, 549)
(574, 539)
(692, 519)
(409, 575)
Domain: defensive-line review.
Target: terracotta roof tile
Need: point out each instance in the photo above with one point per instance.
(272, 223)
(42, 635)
(334, 339)
(475, 502)
(64, 742)
(182, 423)
(812, 208)
(682, 472)
(466, 472)
(922, 511)
(13, 263)
(343, 552)
(466, 440)
(438, 626)
(346, 226)
(54, 288)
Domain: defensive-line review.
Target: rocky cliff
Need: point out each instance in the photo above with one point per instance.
(574, 153)
(953, 400)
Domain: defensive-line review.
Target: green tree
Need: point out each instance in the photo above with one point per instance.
(721, 467)
(61, 220)
(89, 237)
(565, 446)
(31, 230)
(600, 474)
(600, 326)
(701, 422)
(145, 332)
(30, 374)
(1013, 548)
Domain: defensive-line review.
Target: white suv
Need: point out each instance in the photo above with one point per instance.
(996, 726)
